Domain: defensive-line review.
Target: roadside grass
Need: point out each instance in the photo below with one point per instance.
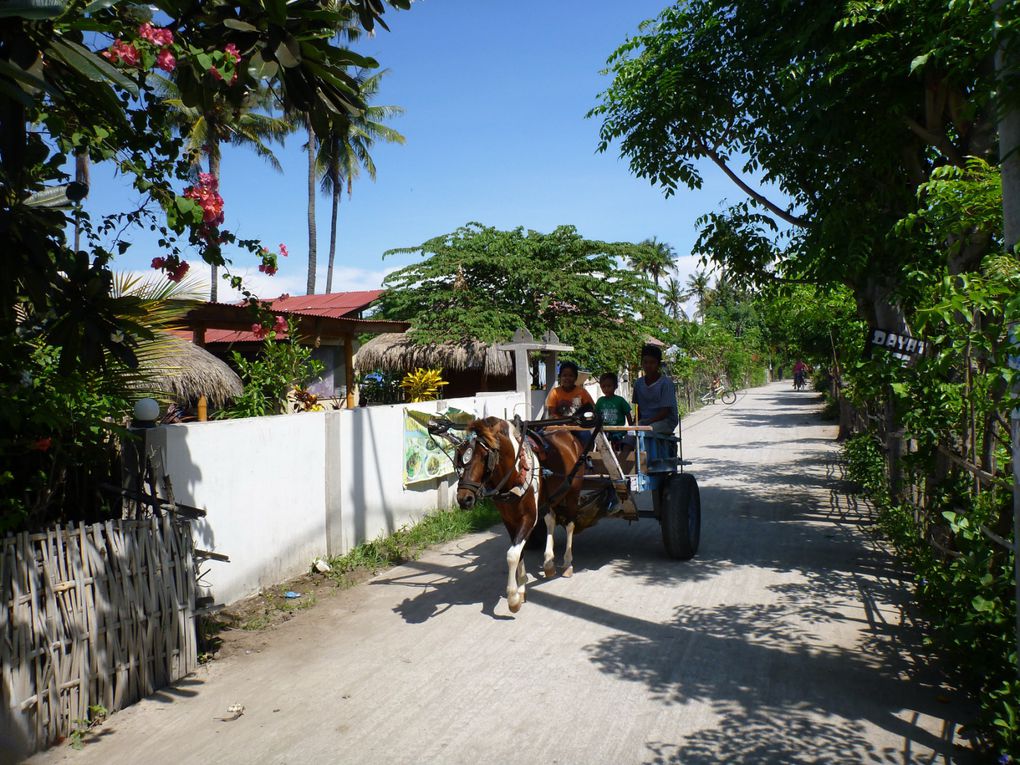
(409, 542)
(272, 606)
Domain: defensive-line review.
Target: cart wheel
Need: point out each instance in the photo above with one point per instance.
(728, 397)
(681, 516)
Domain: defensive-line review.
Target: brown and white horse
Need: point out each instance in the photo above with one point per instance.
(495, 463)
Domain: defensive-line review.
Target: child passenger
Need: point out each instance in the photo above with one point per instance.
(565, 399)
(614, 409)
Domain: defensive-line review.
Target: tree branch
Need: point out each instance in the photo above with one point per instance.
(940, 142)
(775, 209)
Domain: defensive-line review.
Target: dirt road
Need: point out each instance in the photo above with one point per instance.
(783, 641)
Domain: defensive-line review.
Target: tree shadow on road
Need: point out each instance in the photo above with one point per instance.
(771, 667)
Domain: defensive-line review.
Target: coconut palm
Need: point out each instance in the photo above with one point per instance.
(698, 286)
(206, 129)
(654, 259)
(343, 155)
(673, 298)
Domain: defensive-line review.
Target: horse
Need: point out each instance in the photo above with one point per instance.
(494, 461)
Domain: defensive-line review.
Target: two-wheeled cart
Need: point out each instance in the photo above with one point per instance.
(614, 487)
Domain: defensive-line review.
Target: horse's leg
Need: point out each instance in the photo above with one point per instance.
(514, 591)
(548, 562)
(568, 554)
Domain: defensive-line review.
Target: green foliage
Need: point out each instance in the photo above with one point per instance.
(970, 598)
(60, 436)
(97, 714)
(864, 459)
(280, 367)
(482, 283)
(423, 384)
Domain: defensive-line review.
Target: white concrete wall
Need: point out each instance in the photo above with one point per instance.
(373, 499)
(261, 482)
(280, 491)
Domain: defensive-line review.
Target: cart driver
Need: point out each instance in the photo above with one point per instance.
(655, 394)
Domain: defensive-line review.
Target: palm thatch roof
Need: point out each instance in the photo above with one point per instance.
(397, 352)
(186, 371)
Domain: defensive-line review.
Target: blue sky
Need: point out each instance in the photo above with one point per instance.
(495, 95)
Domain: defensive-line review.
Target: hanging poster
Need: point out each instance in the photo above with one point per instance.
(427, 458)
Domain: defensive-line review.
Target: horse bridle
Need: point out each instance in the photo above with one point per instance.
(491, 461)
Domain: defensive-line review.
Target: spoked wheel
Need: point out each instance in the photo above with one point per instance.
(728, 397)
(680, 505)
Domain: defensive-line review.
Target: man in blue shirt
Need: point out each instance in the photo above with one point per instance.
(655, 394)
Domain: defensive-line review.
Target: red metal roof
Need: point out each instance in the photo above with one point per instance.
(335, 304)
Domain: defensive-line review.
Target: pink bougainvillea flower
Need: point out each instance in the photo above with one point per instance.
(165, 60)
(179, 272)
(122, 52)
(158, 262)
(162, 37)
(268, 269)
(42, 444)
(259, 331)
(280, 325)
(232, 52)
(283, 250)
(129, 54)
(209, 180)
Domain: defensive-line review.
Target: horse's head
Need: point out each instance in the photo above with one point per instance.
(477, 459)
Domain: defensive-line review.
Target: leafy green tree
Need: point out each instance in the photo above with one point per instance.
(482, 283)
(269, 378)
(67, 91)
(342, 157)
(845, 110)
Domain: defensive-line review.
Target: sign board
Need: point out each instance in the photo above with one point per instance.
(427, 458)
(902, 347)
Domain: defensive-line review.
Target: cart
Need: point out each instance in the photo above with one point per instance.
(655, 467)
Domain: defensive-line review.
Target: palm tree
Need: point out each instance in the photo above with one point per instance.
(656, 258)
(673, 298)
(698, 286)
(207, 129)
(343, 155)
(312, 232)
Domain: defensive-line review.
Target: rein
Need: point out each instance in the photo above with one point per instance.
(492, 461)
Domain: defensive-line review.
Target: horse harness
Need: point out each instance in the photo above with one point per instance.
(524, 461)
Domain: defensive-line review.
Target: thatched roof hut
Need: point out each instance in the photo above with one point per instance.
(397, 352)
(187, 372)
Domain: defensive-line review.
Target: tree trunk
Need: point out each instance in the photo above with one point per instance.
(332, 233)
(214, 171)
(81, 175)
(310, 290)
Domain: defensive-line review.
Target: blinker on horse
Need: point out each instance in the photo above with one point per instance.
(495, 462)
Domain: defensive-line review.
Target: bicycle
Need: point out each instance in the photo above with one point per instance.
(726, 395)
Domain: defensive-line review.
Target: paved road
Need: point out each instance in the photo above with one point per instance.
(782, 642)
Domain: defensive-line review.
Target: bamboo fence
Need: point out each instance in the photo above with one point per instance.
(100, 614)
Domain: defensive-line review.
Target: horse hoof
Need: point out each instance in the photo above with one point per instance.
(515, 607)
(568, 571)
(549, 570)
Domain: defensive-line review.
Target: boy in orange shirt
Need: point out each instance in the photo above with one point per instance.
(565, 399)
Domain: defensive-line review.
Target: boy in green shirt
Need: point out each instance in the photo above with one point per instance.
(614, 409)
